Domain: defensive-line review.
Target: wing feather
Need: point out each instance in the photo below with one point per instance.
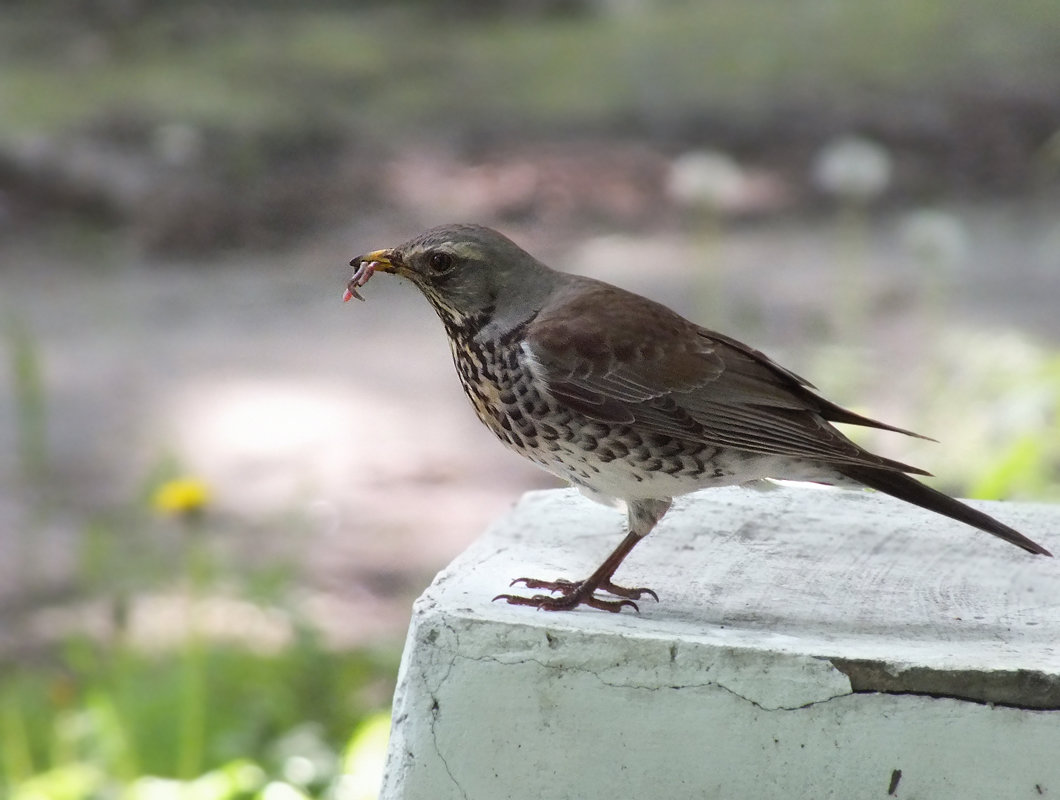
(671, 377)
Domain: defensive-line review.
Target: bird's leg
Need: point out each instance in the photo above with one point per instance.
(582, 593)
(642, 518)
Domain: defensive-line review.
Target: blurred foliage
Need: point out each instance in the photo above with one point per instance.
(209, 126)
(1006, 447)
(1003, 446)
(382, 69)
(103, 713)
(100, 718)
(30, 412)
(95, 716)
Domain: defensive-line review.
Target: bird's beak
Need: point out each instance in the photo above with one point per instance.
(384, 260)
(367, 265)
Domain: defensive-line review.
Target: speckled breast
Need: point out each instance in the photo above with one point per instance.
(616, 460)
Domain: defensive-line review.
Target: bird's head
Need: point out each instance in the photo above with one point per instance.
(466, 272)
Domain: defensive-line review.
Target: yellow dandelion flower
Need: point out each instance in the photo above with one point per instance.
(181, 497)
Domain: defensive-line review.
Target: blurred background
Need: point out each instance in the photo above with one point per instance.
(221, 489)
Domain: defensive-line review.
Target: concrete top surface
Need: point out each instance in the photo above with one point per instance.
(892, 595)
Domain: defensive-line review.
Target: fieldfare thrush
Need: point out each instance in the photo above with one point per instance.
(628, 400)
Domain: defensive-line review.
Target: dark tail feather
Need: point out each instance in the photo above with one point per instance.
(913, 491)
(833, 413)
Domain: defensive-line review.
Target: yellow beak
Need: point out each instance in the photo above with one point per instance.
(367, 265)
(384, 260)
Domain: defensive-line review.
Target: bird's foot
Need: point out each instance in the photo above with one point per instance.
(564, 586)
(576, 593)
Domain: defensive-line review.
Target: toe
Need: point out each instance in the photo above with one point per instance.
(558, 585)
(635, 593)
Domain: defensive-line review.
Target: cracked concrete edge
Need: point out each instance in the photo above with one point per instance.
(438, 640)
(1027, 689)
(443, 644)
(771, 680)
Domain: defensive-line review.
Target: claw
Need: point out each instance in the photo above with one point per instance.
(567, 602)
(558, 585)
(635, 593)
(576, 593)
(567, 587)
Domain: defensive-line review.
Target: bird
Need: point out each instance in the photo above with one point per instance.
(628, 401)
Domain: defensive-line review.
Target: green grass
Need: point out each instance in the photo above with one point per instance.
(116, 715)
(386, 68)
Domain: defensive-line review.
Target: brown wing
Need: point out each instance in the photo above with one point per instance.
(671, 377)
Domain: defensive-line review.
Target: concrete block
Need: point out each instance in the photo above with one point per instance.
(807, 644)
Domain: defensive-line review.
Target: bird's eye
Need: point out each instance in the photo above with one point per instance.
(440, 262)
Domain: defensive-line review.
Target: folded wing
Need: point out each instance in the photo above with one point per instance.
(673, 378)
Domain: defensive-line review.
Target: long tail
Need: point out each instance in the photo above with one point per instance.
(913, 491)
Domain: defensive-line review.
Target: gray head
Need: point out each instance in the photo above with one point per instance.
(470, 272)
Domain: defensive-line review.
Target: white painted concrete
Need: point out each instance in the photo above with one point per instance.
(807, 644)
